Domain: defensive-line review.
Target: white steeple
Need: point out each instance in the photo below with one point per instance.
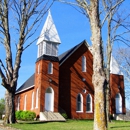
(49, 39)
(49, 31)
(114, 67)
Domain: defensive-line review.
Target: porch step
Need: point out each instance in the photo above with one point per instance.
(51, 116)
(125, 117)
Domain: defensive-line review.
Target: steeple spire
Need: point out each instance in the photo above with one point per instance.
(49, 32)
(49, 39)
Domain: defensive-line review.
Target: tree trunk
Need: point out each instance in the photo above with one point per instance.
(98, 78)
(9, 107)
(109, 51)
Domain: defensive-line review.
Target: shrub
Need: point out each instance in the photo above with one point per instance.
(18, 115)
(64, 115)
(25, 115)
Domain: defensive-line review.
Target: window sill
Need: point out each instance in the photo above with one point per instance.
(79, 111)
(89, 111)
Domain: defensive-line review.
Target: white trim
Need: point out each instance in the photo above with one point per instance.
(50, 68)
(79, 111)
(118, 103)
(25, 89)
(37, 94)
(38, 69)
(84, 64)
(49, 100)
(32, 101)
(25, 102)
(89, 111)
(18, 103)
(81, 102)
(90, 103)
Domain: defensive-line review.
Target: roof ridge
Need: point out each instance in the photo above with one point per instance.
(64, 56)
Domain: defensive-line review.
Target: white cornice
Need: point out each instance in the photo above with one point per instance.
(24, 89)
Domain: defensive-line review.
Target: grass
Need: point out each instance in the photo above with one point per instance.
(69, 125)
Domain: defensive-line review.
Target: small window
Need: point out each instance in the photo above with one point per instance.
(79, 102)
(38, 71)
(32, 100)
(83, 64)
(89, 103)
(37, 97)
(25, 102)
(18, 103)
(50, 68)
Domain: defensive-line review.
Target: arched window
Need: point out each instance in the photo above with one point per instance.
(89, 103)
(118, 100)
(37, 97)
(18, 103)
(50, 68)
(25, 102)
(79, 102)
(83, 64)
(38, 69)
(32, 100)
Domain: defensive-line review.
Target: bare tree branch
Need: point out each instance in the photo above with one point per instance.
(110, 10)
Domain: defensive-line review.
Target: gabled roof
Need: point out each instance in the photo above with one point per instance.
(29, 83)
(49, 32)
(63, 57)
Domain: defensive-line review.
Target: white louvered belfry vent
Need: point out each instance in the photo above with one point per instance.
(49, 40)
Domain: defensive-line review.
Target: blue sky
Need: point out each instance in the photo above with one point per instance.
(72, 27)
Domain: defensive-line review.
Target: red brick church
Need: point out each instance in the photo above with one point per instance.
(64, 83)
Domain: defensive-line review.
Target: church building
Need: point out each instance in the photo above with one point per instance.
(63, 83)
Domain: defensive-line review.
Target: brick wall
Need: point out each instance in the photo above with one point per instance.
(71, 83)
(117, 86)
(42, 81)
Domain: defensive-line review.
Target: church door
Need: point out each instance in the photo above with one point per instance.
(49, 99)
(118, 103)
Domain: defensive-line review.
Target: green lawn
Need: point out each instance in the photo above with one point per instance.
(70, 125)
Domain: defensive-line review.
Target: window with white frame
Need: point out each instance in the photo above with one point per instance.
(18, 103)
(79, 101)
(51, 49)
(25, 102)
(118, 101)
(83, 64)
(32, 100)
(50, 68)
(38, 71)
(37, 97)
(89, 103)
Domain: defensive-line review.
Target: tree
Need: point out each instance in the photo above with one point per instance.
(27, 15)
(2, 106)
(98, 79)
(114, 23)
(100, 13)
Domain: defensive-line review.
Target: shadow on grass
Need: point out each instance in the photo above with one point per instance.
(31, 122)
(119, 127)
(36, 122)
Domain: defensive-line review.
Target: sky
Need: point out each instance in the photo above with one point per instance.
(72, 27)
